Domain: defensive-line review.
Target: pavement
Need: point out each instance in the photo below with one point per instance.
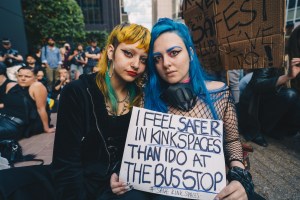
(41, 145)
(275, 169)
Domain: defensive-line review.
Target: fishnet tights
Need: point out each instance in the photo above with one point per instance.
(224, 105)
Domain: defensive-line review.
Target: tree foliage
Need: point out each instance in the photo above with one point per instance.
(60, 19)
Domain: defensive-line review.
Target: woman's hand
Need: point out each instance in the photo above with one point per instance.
(50, 130)
(234, 190)
(118, 187)
(294, 68)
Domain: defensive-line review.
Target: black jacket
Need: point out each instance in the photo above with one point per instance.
(80, 158)
(261, 87)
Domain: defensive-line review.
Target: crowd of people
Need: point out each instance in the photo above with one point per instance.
(159, 71)
(47, 70)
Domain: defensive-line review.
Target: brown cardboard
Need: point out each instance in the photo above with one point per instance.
(235, 34)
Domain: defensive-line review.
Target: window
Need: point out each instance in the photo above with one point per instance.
(292, 3)
(92, 11)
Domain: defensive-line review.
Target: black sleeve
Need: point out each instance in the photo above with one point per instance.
(264, 80)
(67, 163)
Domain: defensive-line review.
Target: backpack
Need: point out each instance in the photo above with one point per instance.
(12, 151)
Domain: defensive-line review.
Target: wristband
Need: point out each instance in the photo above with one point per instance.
(242, 176)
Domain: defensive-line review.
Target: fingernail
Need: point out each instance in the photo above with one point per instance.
(130, 187)
(125, 184)
(216, 198)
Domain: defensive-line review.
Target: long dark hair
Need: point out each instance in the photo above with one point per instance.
(293, 48)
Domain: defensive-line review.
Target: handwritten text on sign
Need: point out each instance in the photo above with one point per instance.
(174, 155)
(235, 34)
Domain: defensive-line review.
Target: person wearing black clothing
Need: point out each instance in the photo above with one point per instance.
(93, 53)
(3, 83)
(11, 58)
(31, 62)
(78, 61)
(268, 107)
(24, 111)
(88, 145)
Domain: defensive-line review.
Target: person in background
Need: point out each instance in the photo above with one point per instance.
(267, 106)
(31, 62)
(174, 66)
(93, 53)
(293, 50)
(78, 61)
(3, 83)
(51, 58)
(40, 76)
(24, 112)
(64, 79)
(234, 77)
(65, 51)
(11, 58)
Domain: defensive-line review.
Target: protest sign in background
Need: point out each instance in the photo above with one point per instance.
(174, 155)
(235, 34)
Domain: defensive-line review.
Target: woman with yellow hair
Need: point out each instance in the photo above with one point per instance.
(92, 123)
(94, 114)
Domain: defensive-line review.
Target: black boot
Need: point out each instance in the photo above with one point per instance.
(260, 140)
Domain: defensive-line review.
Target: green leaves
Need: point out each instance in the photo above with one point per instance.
(61, 19)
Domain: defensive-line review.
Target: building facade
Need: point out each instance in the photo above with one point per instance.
(166, 8)
(12, 25)
(100, 14)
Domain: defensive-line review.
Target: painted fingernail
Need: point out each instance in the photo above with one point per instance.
(216, 198)
(125, 184)
(130, 187)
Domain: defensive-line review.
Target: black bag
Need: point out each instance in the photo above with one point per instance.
(12, 151)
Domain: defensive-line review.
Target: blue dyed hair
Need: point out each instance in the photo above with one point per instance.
(156, 85)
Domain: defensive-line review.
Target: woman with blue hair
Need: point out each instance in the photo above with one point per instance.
(178, 85)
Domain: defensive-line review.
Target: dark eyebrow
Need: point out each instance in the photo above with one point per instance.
(170, 49)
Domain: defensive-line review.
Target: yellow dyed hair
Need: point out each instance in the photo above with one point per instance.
(128, 34)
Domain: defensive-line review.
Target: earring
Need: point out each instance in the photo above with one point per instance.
(108, 67)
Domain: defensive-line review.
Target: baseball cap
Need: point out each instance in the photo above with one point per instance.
(6, 41)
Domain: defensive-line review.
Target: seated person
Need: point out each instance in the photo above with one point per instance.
(3, 82)
(267, 106)
(40, 76)
(64, 79)
(178, 85)
(31, 62)
(24, 112)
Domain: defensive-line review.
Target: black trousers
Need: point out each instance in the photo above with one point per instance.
(27, 183)
(280, 114)
(10, 129)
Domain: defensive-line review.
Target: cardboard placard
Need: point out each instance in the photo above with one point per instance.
(237, 34)
(174, 155)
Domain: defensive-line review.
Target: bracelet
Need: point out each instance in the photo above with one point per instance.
(244, 177)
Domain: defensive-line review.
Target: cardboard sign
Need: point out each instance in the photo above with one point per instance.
(174, 155)
(237, 34)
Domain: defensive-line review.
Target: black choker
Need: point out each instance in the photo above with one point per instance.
(180, 96)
